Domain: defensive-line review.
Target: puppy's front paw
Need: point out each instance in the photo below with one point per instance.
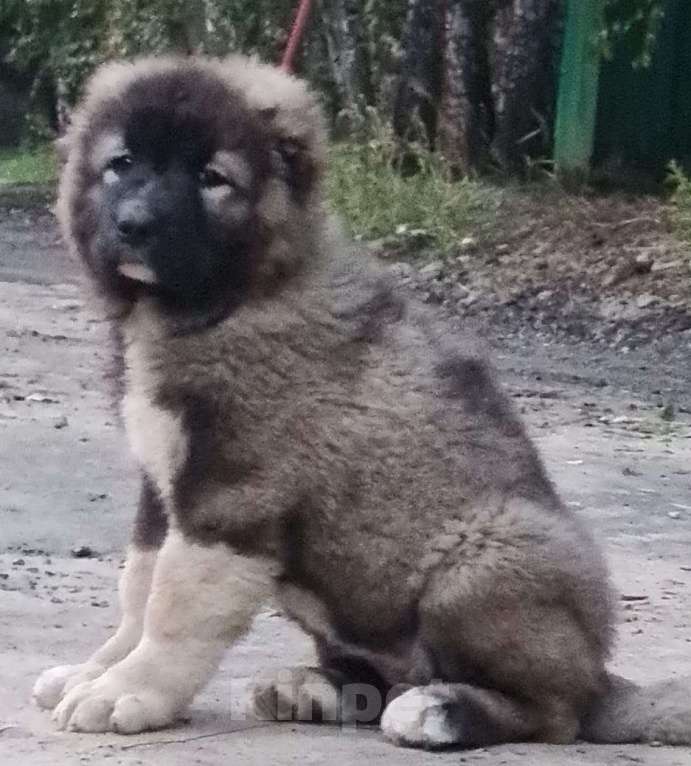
(112, 703)
(53, 684)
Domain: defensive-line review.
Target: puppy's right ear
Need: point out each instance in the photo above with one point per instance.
(62, 146)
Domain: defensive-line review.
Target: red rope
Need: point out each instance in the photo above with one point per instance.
(296, 35)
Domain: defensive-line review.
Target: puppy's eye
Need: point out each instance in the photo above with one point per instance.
(120, 164)
(211, 179)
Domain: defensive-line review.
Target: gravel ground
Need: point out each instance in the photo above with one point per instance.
(614, 427)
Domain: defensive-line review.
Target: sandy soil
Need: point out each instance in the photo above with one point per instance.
(600, 417)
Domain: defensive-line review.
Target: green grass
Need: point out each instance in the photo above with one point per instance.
(377, 202)
(37, 165)
(681, 202)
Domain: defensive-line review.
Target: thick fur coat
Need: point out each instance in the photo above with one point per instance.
(307, 433)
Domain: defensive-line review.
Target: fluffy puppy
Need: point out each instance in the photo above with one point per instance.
(304, 432)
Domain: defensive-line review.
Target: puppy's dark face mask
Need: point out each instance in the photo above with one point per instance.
(171, 176)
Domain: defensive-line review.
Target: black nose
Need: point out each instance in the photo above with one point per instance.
(134, 222)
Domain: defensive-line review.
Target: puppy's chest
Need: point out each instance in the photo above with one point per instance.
(156, 435)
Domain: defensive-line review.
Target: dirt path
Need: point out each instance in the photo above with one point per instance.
(614, 428)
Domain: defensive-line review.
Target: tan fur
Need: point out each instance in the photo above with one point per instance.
(202, 599)
(156, 436)
(344, 434)
(135, 584)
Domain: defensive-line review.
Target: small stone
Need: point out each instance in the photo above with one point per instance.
(674, 514)
(402, 270)
(467, 243)
(432, 270)
(18, 563)
(631, 472)
(666, 265)
(82, 552)
(667, 412)
(644, 261)
(42, 398)
(460, 291)
(60, 422)
(646, 299)
(620, 273)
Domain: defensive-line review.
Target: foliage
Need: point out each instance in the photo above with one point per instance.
(61, 39)
(634, 24)
(64, 40)
(57, 43)
(35, 166)
(367, 189)
(680, 184)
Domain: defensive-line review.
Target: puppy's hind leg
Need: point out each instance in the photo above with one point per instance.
(135, 583)
(519, 635)
(345, 690)
(444, 715)
(305, 694)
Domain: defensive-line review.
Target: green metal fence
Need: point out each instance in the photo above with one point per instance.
(644, 115)
(610, 111)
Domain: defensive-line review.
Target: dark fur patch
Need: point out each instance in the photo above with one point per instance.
(151, 522)
(469, 379)
(472, 723)
(294, 164)
(348, 669)
(208, 468)
(481, 717)
(115, 371)
(378, 309)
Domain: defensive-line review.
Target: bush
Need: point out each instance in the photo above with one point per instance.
(365, 186)
(681, 201)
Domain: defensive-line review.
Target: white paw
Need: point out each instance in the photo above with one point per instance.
(110, 703)
(53, 684)
(418, 718)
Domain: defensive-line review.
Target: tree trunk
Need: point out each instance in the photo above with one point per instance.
(419, 85)
(187, 32)
(467, 118)
(524, 81)
(63, 111)
(348, 56)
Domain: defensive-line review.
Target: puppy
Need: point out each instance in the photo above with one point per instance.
(306, 433)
